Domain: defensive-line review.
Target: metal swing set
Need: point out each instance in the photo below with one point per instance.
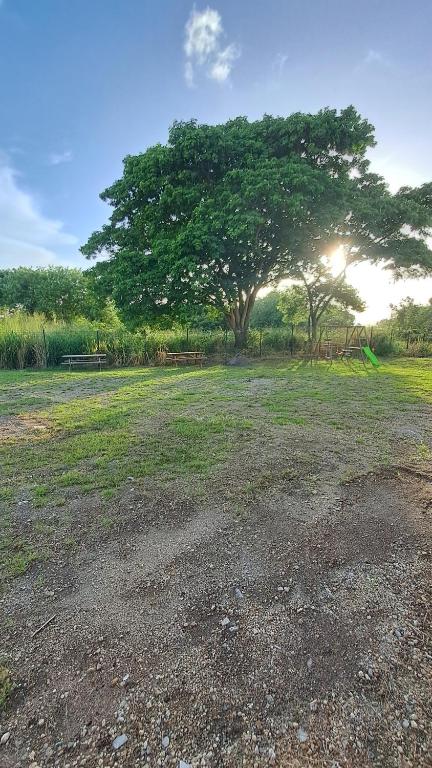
(343, 342)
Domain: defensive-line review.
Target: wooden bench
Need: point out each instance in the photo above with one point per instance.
(193, 358)
(98, 359)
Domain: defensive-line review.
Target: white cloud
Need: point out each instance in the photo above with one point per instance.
(61, 157)
(203, 48)
(27, 237)
(203, 29)
(223, 63)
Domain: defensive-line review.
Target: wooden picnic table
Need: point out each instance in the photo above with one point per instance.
(98, 359)
(182, 357)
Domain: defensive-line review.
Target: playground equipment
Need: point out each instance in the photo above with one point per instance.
(346, 343)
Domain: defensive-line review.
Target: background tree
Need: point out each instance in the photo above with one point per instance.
(336, 315)
(222, 211)
(266, 312)
(320, 299)
(58, 293)
(293, 305)
(410, 317)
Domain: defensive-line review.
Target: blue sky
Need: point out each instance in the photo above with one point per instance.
(85, 82)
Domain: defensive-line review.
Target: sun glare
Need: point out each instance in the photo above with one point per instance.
(336, 261)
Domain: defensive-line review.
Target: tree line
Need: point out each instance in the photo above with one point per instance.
(57, 293)
(67, 294)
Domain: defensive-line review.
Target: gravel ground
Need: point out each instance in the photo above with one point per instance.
(296, 634)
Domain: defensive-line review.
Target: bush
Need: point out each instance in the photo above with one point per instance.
(385, 346)
(420, 349)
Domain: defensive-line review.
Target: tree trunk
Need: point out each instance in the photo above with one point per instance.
(240, 338)
(239, 317)
(313, 327)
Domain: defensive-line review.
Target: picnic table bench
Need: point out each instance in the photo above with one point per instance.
(98, 359)
(181, 357)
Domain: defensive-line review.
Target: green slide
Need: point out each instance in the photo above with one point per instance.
(370, 356)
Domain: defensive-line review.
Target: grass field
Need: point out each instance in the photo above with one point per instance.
(68, 435)
(150, 465)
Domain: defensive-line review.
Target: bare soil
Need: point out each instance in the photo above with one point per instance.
(18, 427)
(297, 634)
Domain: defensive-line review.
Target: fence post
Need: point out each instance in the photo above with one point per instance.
(145, 357)
(187, 334)
(97, 340)
(45, 347)
(260, 342)
(291, 345)
(225, 344)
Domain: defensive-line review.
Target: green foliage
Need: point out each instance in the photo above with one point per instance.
(203, 318)
(266, 312)
(385, 346)
(293, 305)
(221, 211)
(22, 342)
(337, 315)
(58, 293)
(419, 348)
(413, 319)
(321, 299)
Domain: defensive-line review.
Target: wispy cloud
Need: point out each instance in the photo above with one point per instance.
(57, 158)
(223, 63)
(279, 62)
(27, 237)
(371, 58)
(204, 50)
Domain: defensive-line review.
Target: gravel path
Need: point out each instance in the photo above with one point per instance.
(297, 635)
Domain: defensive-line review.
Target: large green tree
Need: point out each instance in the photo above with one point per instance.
(221, 211)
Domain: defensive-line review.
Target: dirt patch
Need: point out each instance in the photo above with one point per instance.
(296, 636)
(15, 428)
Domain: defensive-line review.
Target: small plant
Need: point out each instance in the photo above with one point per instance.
(423, 452)
(6, 686)
(106, 522)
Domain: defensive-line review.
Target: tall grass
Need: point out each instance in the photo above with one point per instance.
(32, 342)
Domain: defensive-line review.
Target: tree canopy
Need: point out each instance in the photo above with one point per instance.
(266, 312)
(221, 211)
(413, 318)
(59, 293)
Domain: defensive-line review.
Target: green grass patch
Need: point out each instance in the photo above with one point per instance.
(169, 424)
